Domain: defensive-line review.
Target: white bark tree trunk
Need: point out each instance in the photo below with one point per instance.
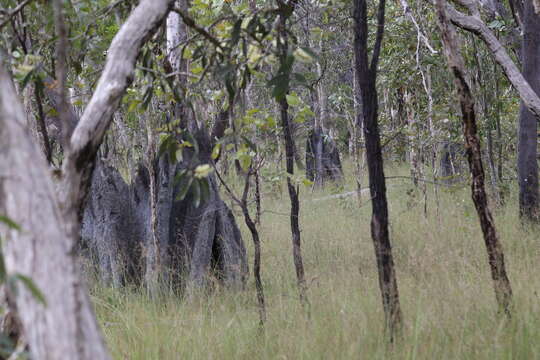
(44, 250)
(65, 328)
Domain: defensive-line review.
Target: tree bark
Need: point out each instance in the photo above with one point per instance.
(529, 196)
(283, 49)
(473, 23)
(366, 76)
(503, 290)
(45, 250)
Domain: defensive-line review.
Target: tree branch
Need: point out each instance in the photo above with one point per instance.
(14, 12)
(475, 25)
(202, 31)
(378, 38)
(116, 77)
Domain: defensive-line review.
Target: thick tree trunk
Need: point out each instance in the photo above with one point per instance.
(366, 79)
(529, 196)
(503, 290)
(43, 251)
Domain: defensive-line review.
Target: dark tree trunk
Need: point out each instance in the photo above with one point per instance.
(323, 162)
(283, 49)
(243, 203)
(257, 261)
(529, 197)
(503, 290)
(366, 80)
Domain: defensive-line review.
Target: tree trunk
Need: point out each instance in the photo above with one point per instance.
(43, 251)
(366, 80)
(529, 196)
(283, 49)
(503, 290)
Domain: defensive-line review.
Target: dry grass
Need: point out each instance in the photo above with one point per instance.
(443, 277)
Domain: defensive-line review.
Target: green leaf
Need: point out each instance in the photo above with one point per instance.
(309, 52)
(31, 286)
(179, 155)
(185, 184)
(245, 161)
(205, 189)
(10, 223)
(235, 34)
(165, 145)
(250, 143)
(215, 151)
(26, 79)
(280, 85)
(3, 272)
(299, 78)
(293, 100)
(196, 191)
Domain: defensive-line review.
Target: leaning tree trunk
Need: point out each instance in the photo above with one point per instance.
(66, 326)
(45, 250)
(529, 196)
(503, 290)
(366, 79)
(528, 92)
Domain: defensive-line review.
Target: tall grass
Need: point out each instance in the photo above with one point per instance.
(445, 287)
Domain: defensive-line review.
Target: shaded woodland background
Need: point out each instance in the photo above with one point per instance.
(209, 178)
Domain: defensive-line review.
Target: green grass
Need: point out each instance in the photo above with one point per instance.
(445, 288)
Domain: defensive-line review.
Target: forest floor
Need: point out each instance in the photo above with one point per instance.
(443, 276)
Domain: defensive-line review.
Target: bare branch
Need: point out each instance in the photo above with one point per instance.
(407, 11)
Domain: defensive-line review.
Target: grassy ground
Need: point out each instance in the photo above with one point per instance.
(443, 277)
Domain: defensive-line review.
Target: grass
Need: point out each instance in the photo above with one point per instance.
(445, 289)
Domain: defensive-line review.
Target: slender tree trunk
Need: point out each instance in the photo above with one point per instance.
(357, 133)
(366, 76)
(485, 100)
(243, 203)
(283, 48)
(529, 196)
(41, 126)
(413, 140)
(257, 256)
(503, 290)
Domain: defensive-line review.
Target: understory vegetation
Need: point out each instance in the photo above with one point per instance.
(446, 291)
